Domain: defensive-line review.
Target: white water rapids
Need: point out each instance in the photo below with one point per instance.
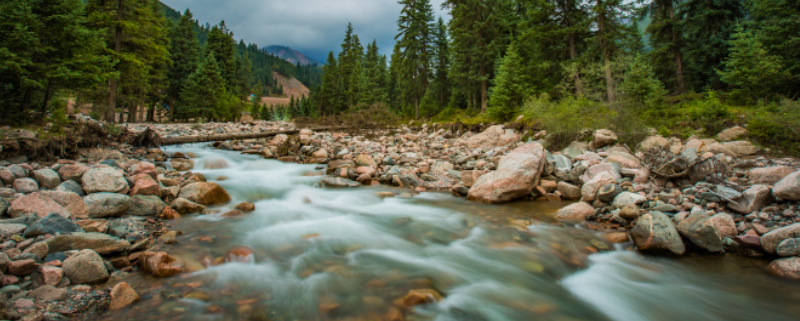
(335, 254)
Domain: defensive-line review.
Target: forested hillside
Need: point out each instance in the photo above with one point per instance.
(128, 59)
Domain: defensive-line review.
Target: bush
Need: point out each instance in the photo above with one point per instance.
(777, 125)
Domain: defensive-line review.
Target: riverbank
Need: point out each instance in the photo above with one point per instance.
(92, 220)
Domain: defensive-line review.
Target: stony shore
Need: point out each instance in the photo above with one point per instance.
(71, 230)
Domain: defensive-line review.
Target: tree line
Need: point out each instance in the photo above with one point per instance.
(494, 55)
(128, 59)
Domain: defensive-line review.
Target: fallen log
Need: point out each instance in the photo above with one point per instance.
(226, 137)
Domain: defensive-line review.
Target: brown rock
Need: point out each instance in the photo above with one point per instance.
(617, 237)
(169, 214)
(85, 267)
(49, 293)
(147, 169)
(494, 136)
(146, 187)
(569, 191)
(771, 240)
(36, 204)
(420, 296)
(184, 206)
(468, 178)
(575, 212)
(160, 264)
(630, 212)
(233, 213)
(788, 268)
(181, 164)
(72, 172)
(769, 175)
(246, 207)
(70, 201)
(122, 295)
(22, 267)
(99, 226)
(515, 177)
(241, 254)
(655, 232)
(205, 193)
(51, 275)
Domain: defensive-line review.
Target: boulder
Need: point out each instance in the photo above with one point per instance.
(789, 247)
(725, 225)
(36, 204)
(146, 205)
(85, 267)
(122, 295)
(517, 174)
(46, 178)
(160, 264)
(25, 185)
(788, 268)
(146, 187)
(575, 149)
(569, 191)
(48, 292)
(51, 275)
(623, 160)
(769, 175)
(9, 229)
(788, 188)
(771, 240)
(575, 212)
(98, 242)
(626, 198)
(70, 201)
(70, 187)
(6, 176)
(441, 167)
(494, 136)
(184, 206)
(698, 228)
(185, 164)
(22, 267)
(104, 179)
(72, 172)
(751, 200)
(655, 232)
(652, 142)
(52, 224)
(732, 133)
(101, 205)
(40, 249)
(468, 178)
(630, 212)
(590, 188)
(146, 168)
(364, 160)
(604, 137)
(607, 193)
(741, 148)
(205, 193)
(330, 181)
(595, 170)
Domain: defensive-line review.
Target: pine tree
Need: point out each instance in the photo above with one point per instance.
(750, 68)
(441, 63)
(205, 92)
(613, 28)
(329, 90)
(45, 48)
(415, 37)
(509, 92)
(778, 26)
(351, 53)
(666, 37)
(185, 56)
(223, 46)
(708, 26)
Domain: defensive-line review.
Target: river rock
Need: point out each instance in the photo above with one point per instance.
(590, 188)
(122, 295)
(517, 174)
(3, 206)
(104, 179)
(18, 171)
(788, 268)
(595, 170)
(160, 264)
(420, 296)
(771, 240)
(751, 200)
(145, 168)
(101, 205)
(70, 187)
(732, 133)
(6, 176)
(52, 224)
(441, 167)
(99, 242)
(630, 212)
(146, 187)
(725, 225)
(51, 275)
(788, 188)
(9, 229)
(741, 148)
(36, 204)
(364, 160)
(655, 232)
(25, 185)
(338, 182)
(22, 267)
(698, 228)
(789, 247)
(184, 164)
(569, 191)
(70, 201)
(653, 142)
(85, 267)
(184, 206)
(608, 192)
(494, 136)
(205, 193)
(769, 175)
(246, 207)
(468, 178)
(146, 205)
(575, 212)
(48, 293)
(626, 198)
(72, 172)
(604, 137)
(46, 178)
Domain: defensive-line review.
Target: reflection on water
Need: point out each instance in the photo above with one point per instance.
(324, 254)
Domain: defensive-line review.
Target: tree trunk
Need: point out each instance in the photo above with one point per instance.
(676, 51)
(112, 83)
(484, 90)
(171, 103)
(416, 107)
(573, 53)
(601, 27)
(47, 93)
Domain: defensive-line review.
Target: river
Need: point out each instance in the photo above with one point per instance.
(336, 254)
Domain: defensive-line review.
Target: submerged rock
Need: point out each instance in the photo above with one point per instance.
(205, 193)
(788, 268)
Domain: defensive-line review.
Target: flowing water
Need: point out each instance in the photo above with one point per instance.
(335, 254)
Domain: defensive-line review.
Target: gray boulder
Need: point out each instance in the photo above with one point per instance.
(104, 179)
(25, 185)
(99, 242)
(655, 232)
(788, 188)
(701, 231)
(47, 178)
(107, 204)
(85, 267)
(51, 224)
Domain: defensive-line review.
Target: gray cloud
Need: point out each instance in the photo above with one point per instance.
(313, 27)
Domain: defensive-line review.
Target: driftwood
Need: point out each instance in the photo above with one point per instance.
(686, 172)
(225, 137)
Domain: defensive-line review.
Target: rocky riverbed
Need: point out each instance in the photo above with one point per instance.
(72, 231)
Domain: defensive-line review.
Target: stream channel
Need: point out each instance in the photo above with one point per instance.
(348, 254)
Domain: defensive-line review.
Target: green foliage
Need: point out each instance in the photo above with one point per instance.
(750, 68)
(185, 56)
(414, 42)
(777, 125)
(205, 92)
(640, 87)
(708, 26)
(509, 91)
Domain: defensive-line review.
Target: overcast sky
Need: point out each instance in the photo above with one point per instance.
(313, 27)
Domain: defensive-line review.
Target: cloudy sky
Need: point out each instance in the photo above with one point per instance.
(313, 27)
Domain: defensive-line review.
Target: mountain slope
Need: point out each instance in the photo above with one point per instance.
(292, 55)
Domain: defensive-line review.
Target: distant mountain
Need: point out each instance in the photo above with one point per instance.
(292, 55)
